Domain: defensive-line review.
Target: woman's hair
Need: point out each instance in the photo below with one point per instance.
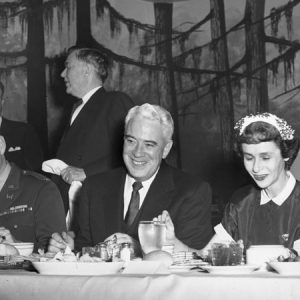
(153, 112)
(93, 57)
(260, 131)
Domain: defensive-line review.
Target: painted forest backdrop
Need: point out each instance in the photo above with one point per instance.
(208, 61)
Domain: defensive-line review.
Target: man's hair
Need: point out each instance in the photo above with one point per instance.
(258, 132)
(93, 57)
(153, 112)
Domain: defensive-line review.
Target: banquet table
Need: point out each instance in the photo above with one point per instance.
(25, 285)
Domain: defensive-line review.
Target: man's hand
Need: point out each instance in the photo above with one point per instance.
(70, 174)
(125, 238)
(6, 235)
(165, 218)
(59, 242)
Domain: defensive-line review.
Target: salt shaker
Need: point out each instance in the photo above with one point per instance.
(125, 252)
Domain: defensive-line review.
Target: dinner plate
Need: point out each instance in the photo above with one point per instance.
(77, 268)
(285, 268)
(230, 270)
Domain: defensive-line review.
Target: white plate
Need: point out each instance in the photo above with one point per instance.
(286, 268)
(78, 268)
(230, 270)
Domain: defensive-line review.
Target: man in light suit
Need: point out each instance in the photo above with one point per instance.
(105, 198)
(23, 146)
(92, 142)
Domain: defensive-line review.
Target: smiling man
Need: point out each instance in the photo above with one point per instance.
(113, 203)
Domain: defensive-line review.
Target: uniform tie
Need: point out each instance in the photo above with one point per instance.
(134, 204)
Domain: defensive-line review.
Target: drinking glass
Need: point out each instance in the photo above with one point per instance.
(152, 235)
(220, 254)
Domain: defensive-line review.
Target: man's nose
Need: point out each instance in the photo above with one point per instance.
(138, 150)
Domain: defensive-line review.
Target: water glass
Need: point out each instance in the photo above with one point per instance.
(152, 235)
(220, 254)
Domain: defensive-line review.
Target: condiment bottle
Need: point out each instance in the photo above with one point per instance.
(125, 252)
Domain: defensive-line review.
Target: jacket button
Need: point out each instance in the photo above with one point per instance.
(15, 226)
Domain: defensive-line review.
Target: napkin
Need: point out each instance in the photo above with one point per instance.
(54, 166)
(73, 193)
(222, 235)
(296, 246)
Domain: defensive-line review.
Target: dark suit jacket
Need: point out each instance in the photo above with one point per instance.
(22, 145)
(187, 198)
(31, 207)
(95, 138)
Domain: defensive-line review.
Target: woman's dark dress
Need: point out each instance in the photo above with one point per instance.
(269, 224)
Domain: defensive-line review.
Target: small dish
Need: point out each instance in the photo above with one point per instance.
(24, 249)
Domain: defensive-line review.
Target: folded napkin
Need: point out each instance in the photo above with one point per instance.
(296, 246)
(222, 235)
(73, 193)
(54, 166)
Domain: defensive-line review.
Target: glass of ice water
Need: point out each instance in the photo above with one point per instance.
(152, 235)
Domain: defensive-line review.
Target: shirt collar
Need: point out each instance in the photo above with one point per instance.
(283, 195)
(89, 94)
(146, 183)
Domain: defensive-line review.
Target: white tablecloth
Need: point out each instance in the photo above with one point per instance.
(24, 285)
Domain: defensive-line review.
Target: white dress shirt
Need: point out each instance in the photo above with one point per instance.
(85, 99)
(128, 191)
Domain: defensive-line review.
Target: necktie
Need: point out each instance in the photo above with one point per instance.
(76, 104)
(134, 203)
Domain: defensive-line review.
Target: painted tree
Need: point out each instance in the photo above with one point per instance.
(157, 37)
(36, 78)
(222, 84)
(257, 81)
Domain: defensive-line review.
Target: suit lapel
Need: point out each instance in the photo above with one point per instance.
(97, 100)
(90, 108)
(114, 203)
(158, 196)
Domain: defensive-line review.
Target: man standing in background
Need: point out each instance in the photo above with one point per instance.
(92, 142)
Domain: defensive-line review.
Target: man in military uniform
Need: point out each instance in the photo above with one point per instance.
(31, 208)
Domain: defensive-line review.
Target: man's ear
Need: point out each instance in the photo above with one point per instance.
(2, 145)
(167, 149)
